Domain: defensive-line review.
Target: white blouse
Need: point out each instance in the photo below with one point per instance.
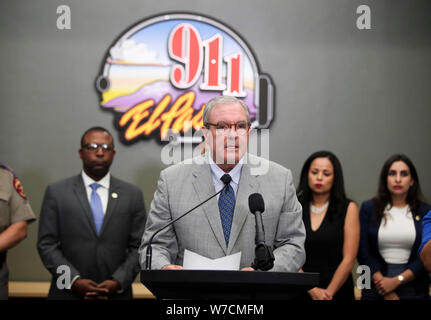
(397, 236)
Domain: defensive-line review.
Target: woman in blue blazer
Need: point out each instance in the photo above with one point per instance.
(391, 232)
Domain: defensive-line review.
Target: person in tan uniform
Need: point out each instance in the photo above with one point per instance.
(15, 214)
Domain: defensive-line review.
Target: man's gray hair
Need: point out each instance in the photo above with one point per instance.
(223, 100)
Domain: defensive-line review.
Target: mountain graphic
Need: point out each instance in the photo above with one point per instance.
(158, 89)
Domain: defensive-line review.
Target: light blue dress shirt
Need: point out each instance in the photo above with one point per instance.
(217, 173)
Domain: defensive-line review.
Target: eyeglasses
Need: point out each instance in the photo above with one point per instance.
(222, 127)
(94, 147)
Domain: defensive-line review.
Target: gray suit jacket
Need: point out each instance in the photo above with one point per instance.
(67, 234)
(182, 186)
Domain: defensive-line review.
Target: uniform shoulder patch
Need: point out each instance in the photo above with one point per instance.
(16, 183)
(18, 187)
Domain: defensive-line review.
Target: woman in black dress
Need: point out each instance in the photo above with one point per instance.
(332, 225)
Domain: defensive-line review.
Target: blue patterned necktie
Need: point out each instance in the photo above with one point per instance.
(226, 205)
(96, 207)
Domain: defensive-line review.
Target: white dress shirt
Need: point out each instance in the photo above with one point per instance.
(102, 191)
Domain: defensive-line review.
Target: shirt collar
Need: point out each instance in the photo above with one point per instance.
(235, 173)
(104, 182)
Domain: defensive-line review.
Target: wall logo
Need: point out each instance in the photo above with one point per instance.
(159, 74)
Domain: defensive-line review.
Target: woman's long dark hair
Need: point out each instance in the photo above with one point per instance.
(338, 194)
(383, 197)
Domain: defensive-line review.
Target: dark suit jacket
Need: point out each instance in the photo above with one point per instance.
(67, 234)
(369, 253)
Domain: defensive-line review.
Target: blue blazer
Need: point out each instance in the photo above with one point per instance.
(369, 254)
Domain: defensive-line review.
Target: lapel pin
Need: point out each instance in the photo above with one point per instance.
(417, 218)
(114, 195)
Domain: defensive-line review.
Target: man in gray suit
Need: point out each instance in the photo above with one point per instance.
(224, 225)
(91, 226)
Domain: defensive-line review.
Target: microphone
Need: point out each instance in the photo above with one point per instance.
(149, 253)
(264, 257)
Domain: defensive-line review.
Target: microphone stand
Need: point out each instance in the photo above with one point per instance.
(264, 257)
(149, 252)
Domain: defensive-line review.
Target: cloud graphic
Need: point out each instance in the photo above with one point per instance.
(132, 52)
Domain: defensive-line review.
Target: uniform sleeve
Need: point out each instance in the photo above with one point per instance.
(16, 207)
(20, 209)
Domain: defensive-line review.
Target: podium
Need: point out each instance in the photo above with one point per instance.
(242, 285)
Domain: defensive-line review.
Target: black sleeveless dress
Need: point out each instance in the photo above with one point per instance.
(324, 248)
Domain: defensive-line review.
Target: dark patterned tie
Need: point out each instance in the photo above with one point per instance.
(226, 205)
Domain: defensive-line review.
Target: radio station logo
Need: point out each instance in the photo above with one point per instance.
(158, 75)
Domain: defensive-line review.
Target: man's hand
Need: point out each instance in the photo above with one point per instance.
(112, 285)
(247, 269)
(89, 289)
(172, 267)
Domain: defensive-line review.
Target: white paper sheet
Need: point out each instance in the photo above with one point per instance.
(194, 261)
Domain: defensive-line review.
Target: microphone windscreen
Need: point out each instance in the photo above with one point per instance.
(256, 203)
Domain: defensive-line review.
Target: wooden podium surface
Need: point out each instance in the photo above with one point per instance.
(26, 289)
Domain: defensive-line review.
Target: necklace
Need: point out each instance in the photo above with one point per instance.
(318, 210)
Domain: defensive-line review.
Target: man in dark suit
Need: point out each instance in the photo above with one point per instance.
(91, 226)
